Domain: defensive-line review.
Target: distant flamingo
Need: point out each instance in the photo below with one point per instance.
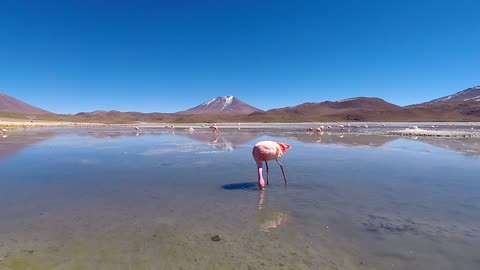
(265, 151)
(4, 131)
(172, 128)
(319, 130)
(215, 129)
(309, 129)
(191, 129)
(136, 129)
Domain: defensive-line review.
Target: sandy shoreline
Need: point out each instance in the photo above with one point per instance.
(434, 133)
(6, 123)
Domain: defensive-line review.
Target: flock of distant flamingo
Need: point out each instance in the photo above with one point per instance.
(320, 129)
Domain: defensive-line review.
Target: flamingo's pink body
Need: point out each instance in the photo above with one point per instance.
(265, 151)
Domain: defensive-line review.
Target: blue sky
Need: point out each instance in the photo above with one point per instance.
(83, 55)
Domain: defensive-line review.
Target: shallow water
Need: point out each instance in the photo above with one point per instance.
(105, 198)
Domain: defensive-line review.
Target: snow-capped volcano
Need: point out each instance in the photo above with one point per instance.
(222, 105)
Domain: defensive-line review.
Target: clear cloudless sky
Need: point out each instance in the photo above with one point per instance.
(82, 55)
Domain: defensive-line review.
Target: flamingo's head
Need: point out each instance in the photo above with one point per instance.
(284, 146)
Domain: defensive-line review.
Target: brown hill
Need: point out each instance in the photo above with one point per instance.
(13, 105)
(466, 96)
(120, 117)
(462, 106)
(353, 109)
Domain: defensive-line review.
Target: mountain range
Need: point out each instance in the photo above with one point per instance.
(461, 106)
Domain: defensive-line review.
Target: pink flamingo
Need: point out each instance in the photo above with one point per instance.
(319, 130)
(215, 129)
(265, 151)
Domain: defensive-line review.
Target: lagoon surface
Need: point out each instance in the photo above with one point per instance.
(107, 198)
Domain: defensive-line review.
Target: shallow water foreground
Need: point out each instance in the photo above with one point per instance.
(105, 198)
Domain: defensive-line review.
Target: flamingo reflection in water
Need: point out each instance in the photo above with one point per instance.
(266, 218)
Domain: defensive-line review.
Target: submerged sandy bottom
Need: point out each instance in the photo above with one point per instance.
(107, 199)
